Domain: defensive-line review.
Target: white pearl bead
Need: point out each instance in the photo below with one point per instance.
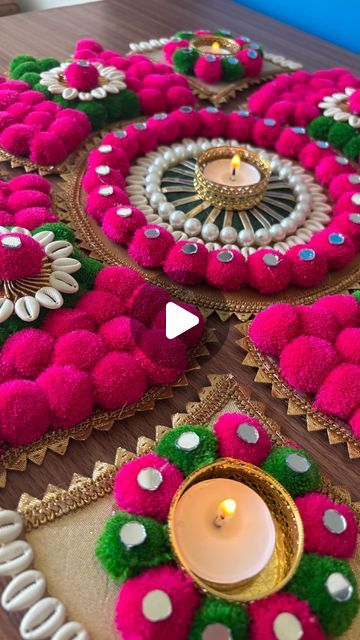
(205, 146)
(169, 157)
(228, 235)
(177, 219)
(298, 217)
(277, 232)
(246, 237)
(193, 149)
(159, 163)
(210, 232)
(179, 153)
(152, 188)
(283, 173)
(165, 209)
(262, 236)
(157, 199)
(192, 226)
(304, 198)
(288, 225)
(217, 142)
(152, 178)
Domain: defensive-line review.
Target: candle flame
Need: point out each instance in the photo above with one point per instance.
(215, 47)
(227, 508)
(235, 161)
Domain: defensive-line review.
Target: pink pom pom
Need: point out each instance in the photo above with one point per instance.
(142, 69)
(347, 345)
(264, 613)
(214, 122)
(339, 394)
(80, 348)
(47, 149)
(101, 306)
(355, 423)
(6, 219)
(133, 83)
(121, 229)
(145, 137)
(248, 444)
(30, 181)
(29, 352)
(69, 132)
(147, 301)
(227, 276)
(266, 132)
(166, 128)
(179, 588)
(69, 393)
(345, 308)
(338, 248)
(131, 497)
(188, 120)
(170, 47)
(19, 111)
(177, 97)
(208, 69)
(306, 362)
(251, 61)
(122, 333)
(24, 412)
(190, 337)
(6, 120)
(318, 322)
(354, 101)
(17, 138)
(152, 101)
(163, 360)
(123, 141)
(349, 201)
(38, 119)
(318, 537)
(28, 198)
(50, 107)
(7, 97)
(103, 198)
(32, 217)
(260, 101)
(120, 281)
(92, 179)
(157, 81)
(118, 380)
(291, 141)
(186, 263)
(83, 78)
(148, 249)
(343, 183)
(110, 156)
(274, 327)
(175, 79)
(348, 224)
(79, 117)
(88, 43)
(268, 275)
(22, 261)
(312, 154)
(7, 370)
(14, 85)
(305, 112)
(308, 267)
(329, 167)
(239, 125)
(62, 321)
(282, 112)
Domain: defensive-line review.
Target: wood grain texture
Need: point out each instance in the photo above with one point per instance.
(116, 23)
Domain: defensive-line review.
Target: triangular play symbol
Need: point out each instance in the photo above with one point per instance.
(178, 320)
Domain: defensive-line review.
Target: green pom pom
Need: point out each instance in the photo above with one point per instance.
(185, 35)
(356, 295)
(295, 482)
(352, 148)
(122, 105)
(44, 90)
(340, 134)
(232, 69)
(224, 33)
(319, 127)
(31, 78)
(18, 60)
(309, 583)
(89, 268)
(213, 611)
(59, 229)
(184, 60)
(45, 64)
(121, 562)
(188, 460)
(25, 68)
(95, 112)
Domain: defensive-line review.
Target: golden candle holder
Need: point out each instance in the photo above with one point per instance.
(228, 44)
(235, 196)
(288, 530)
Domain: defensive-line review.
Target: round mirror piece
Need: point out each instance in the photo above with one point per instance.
(225, 256)
(355, 218)
(105, 148)
(102, 170)
(11, 242)
(286, 626)
(248, 433)
(355, 198)
(354, 178)
(298, 463)
(271, 260)
(106, 191)
(342, 160)
(156, 606)
(123, 212)
(339, 587)
(152, 233)
(140, 126)
(216, 631)
(188, 441)
(189, 248)
(334, 521)
(149, 478)
(160, 116)
(306, 254)
(336, 238)
(132, 534)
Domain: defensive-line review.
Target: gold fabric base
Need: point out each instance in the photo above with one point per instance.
(63, 537)
(268, 372)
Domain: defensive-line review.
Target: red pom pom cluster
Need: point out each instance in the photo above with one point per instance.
(317, 350)
(96, 353)
(268, 271)
(25, 202)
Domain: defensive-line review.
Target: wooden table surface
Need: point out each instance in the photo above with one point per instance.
(115, 23)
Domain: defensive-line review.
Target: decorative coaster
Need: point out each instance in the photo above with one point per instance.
(81, 343)
(282, 246)
(220, 72)
(63, 515)
(309, 356)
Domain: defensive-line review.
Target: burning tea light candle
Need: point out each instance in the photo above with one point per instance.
(223, 540)
(218, 46)
(232, 173)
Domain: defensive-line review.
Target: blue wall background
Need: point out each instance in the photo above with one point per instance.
(333, 20)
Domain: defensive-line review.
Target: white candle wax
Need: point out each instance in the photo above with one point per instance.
(205, 49)
(220, 171)
(238, 550)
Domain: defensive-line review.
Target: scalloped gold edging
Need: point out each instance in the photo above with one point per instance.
(268, 372)
(57, 502)
(58, 441)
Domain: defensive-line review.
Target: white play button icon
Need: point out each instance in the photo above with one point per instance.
(178, 320)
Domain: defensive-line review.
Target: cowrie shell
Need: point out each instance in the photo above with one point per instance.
(71, 631)
(6, 309)
(22, 230)
(63, 282)
(15, 557)
(135, 189)
(27, 308)
(23, 591)
(11, 525)
(59, 249)
(55, 88)
(113, 88)
(85, 96)
(69, 265)
(43, 619)
(3, 230)
(99, 93)
(49, 297)
(69, 93)
(44, 237)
